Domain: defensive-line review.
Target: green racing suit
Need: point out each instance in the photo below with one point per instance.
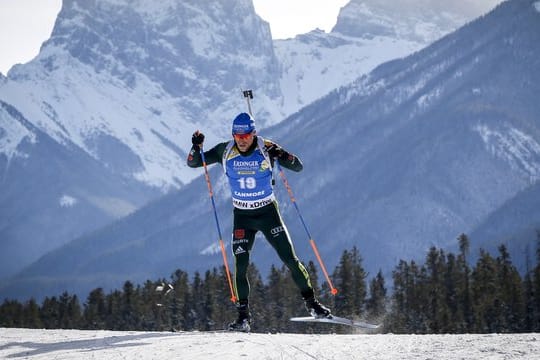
(267, 219)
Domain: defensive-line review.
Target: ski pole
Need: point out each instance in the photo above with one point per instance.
(221, 244)
(311, 241)
(248, 94)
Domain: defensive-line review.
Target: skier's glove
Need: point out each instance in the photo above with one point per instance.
(197, 138)
(275, 151)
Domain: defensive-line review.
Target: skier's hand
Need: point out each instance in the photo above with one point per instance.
(274, 151)
(197, 138)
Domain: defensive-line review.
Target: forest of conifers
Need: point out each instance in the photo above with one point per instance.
(445, 294)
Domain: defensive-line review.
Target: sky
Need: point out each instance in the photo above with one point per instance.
(26, 24)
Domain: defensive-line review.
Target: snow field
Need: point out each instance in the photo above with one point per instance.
(89, 344)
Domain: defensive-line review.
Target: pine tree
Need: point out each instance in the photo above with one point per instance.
(114, 310)
(50, 313)
(182, 317)
(189, 309)
(512, 304)
(197, 304)
(275, 302)
(408, 314)
(153, 307)
(130, 306)
(528, 291)
(11, 314)
(376, 303)
(452, 279)
(437, 314)
(463, 287)
(344, 278)
(30, 315)
(210, 308)
(398, 315)
(284, 298)
(69, 311)
(536, 286)
(95, 310)
(227, 308)
(484, 289)
(257, 300)
(359, 283)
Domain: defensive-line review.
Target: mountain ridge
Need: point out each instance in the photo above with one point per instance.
(118, 91)
(433, 144)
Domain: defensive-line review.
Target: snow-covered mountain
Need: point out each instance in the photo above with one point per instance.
(367, 33)
(516, 224)
(99, 122)
(316, 63)
(415, 20)
(409, 156)
(138, 76)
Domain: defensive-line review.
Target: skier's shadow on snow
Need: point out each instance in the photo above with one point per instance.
(107, 342)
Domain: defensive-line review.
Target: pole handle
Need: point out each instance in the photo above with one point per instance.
(248, 94)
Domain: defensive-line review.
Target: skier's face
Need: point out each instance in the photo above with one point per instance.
(244, 141)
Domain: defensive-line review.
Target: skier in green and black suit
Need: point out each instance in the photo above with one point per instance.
(248, 160)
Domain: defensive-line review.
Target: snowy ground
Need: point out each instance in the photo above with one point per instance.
(76, 344)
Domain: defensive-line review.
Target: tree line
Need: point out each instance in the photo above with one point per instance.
(446, 295)
(443, 295)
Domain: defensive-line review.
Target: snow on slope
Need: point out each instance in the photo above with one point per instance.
(11, 135)
(98, 106)
(129, 81)
(143, 75)
(111, 345)
(316, 63)
(520, 150)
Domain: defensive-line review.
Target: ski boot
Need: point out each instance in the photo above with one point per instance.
(242, 323)
(314, 307)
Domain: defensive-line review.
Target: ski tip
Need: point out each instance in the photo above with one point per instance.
(368, 326)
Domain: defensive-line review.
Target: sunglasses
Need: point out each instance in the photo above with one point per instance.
(242, 136)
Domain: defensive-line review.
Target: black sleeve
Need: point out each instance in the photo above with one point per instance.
(286, 159)
(211, 156)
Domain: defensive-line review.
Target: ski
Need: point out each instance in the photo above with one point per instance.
(332, 319)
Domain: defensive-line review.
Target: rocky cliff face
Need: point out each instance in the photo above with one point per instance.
(112, 99)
